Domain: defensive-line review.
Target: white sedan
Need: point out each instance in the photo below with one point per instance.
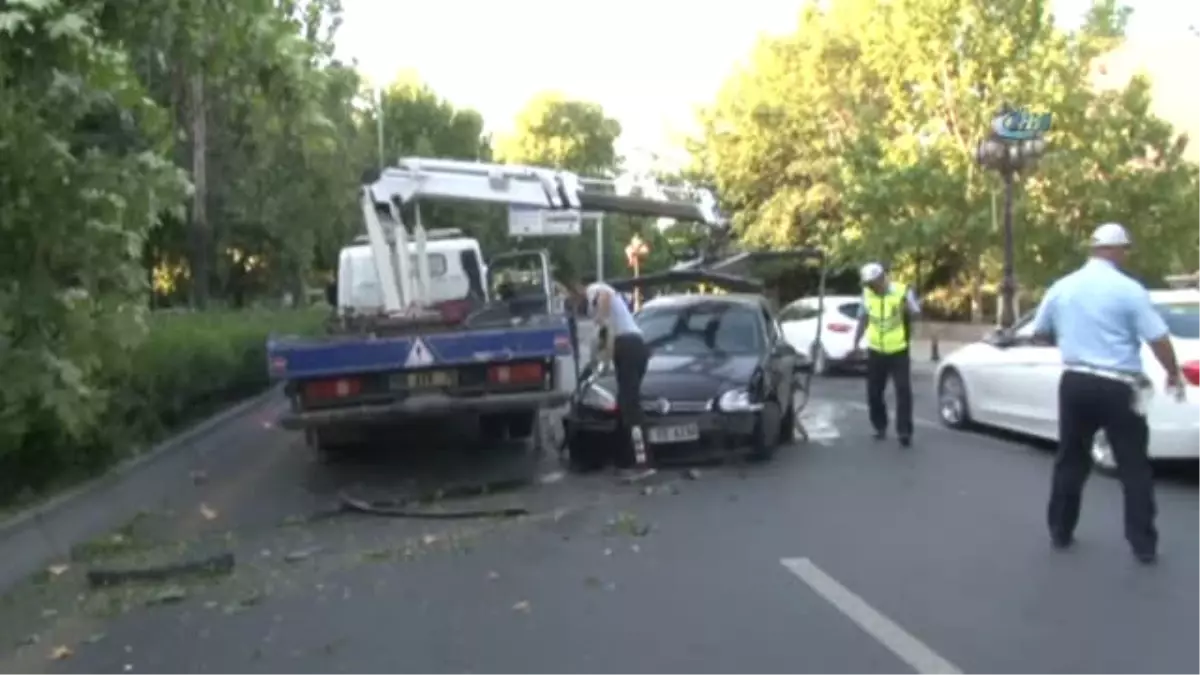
(835, 348)
(1013, 384)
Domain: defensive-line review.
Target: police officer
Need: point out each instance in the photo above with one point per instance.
(888, 310)
(1099, 317)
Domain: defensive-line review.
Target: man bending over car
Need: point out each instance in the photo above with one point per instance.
(620, 342)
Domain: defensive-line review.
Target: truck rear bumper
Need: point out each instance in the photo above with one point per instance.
(422, 406)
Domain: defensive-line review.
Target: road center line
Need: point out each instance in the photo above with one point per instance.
(899, 641)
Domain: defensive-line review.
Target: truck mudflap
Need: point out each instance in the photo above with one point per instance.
(423, 406)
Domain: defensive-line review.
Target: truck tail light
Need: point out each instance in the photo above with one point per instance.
(838, 328)
(1191, 373)
(517, 373)
(336, 388)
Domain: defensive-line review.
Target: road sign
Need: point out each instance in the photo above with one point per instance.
(530, 221)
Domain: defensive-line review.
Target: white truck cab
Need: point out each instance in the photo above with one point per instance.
(456, 273)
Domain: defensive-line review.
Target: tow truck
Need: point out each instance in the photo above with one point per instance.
(419, 352)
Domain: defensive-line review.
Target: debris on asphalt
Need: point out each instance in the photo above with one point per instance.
(522, 606)
(207, 512)
(626, 523)
(199, 477)
(608, 551)
(493, 576)
(592, 582)
(169, 596)
(647, 490)
(220, 564)
(692, 474)
(58, 570)
(402, 510)
(49, 613)
(551, 478)
(635, 548)
(61, 652)
(302, 554)
(29, 640)
(95, 638)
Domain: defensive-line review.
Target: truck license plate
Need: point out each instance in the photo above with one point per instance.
(681, 433)
(426, 379)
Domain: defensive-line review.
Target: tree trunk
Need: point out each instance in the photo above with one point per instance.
(200, 231)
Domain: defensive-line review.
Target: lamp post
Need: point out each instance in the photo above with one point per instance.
(1013, 145)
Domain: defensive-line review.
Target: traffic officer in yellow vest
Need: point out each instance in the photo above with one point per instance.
(886, 319)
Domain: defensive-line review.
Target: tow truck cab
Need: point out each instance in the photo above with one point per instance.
(456, 275)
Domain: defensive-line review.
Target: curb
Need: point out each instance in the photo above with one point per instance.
(36, 536)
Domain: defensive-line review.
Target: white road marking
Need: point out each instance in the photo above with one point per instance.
(899, 641)
(917, 421)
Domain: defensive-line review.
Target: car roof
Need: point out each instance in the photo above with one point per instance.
(1175, 295)
(829, 300)
(683, 300)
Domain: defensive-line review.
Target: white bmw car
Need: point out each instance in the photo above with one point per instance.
(1014, 385)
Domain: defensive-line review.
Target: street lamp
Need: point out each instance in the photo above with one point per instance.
(1014, 144)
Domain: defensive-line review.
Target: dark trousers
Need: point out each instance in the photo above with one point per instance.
(630, 356)
(880, 367)
(1086, 404)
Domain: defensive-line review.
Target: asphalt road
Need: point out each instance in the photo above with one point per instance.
(842, 555)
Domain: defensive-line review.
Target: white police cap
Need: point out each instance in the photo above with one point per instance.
(1110, 234)
(870, 272)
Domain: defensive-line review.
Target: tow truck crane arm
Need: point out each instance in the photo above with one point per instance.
(416, 179)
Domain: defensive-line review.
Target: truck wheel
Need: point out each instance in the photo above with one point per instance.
(521, 425)
(766, 433)
(325, 450)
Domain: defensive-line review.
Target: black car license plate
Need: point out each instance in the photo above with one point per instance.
(676, 433)
(425, 379)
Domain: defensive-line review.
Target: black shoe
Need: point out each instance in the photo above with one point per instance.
(905, 441)
(1146, 557)
(1061, 542)
(880, 434)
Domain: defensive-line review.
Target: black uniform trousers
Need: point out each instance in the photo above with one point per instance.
(1086, 404)
(898, 367)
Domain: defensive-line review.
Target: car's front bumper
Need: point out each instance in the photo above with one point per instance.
(718, 431)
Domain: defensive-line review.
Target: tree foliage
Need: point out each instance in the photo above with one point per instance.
(857, 132)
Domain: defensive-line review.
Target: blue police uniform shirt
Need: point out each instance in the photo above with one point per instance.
(1100, 317)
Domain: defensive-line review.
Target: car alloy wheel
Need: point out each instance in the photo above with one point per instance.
(1102, 455)
(952, 400)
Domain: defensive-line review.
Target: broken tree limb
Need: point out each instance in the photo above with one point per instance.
(214, 565)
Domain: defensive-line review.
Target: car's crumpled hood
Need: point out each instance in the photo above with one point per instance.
(690, 378)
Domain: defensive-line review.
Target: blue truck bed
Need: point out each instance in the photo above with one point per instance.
(293, 358)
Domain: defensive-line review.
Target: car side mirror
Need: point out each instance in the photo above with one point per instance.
(331, 293)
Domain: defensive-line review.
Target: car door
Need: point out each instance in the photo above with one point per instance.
(780, 357)
(1023, 383)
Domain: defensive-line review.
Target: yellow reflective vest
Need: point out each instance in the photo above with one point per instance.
(887, 327)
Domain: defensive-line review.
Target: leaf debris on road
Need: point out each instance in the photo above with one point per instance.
(207, 512)
(61, 652)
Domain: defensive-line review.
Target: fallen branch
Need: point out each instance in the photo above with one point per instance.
(402, 510)
(218, 564)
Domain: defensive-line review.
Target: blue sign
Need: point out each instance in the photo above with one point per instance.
(1021, 125)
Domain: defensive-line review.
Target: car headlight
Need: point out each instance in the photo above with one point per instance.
(598, 398)
(737, 400)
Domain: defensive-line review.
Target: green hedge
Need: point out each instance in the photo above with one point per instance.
(190, 365)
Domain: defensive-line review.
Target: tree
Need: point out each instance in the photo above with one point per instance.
(85, 180)
(858, 133)
(558, 132)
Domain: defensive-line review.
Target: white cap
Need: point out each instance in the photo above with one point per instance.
(1110, 234)
(870, 272)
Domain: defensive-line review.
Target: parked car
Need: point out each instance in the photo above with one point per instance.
(720, 378)
(1010, 383)
(799, 322)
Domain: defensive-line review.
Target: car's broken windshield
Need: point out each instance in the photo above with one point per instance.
(717, 328)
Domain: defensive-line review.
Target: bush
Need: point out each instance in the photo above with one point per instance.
(189, 365)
